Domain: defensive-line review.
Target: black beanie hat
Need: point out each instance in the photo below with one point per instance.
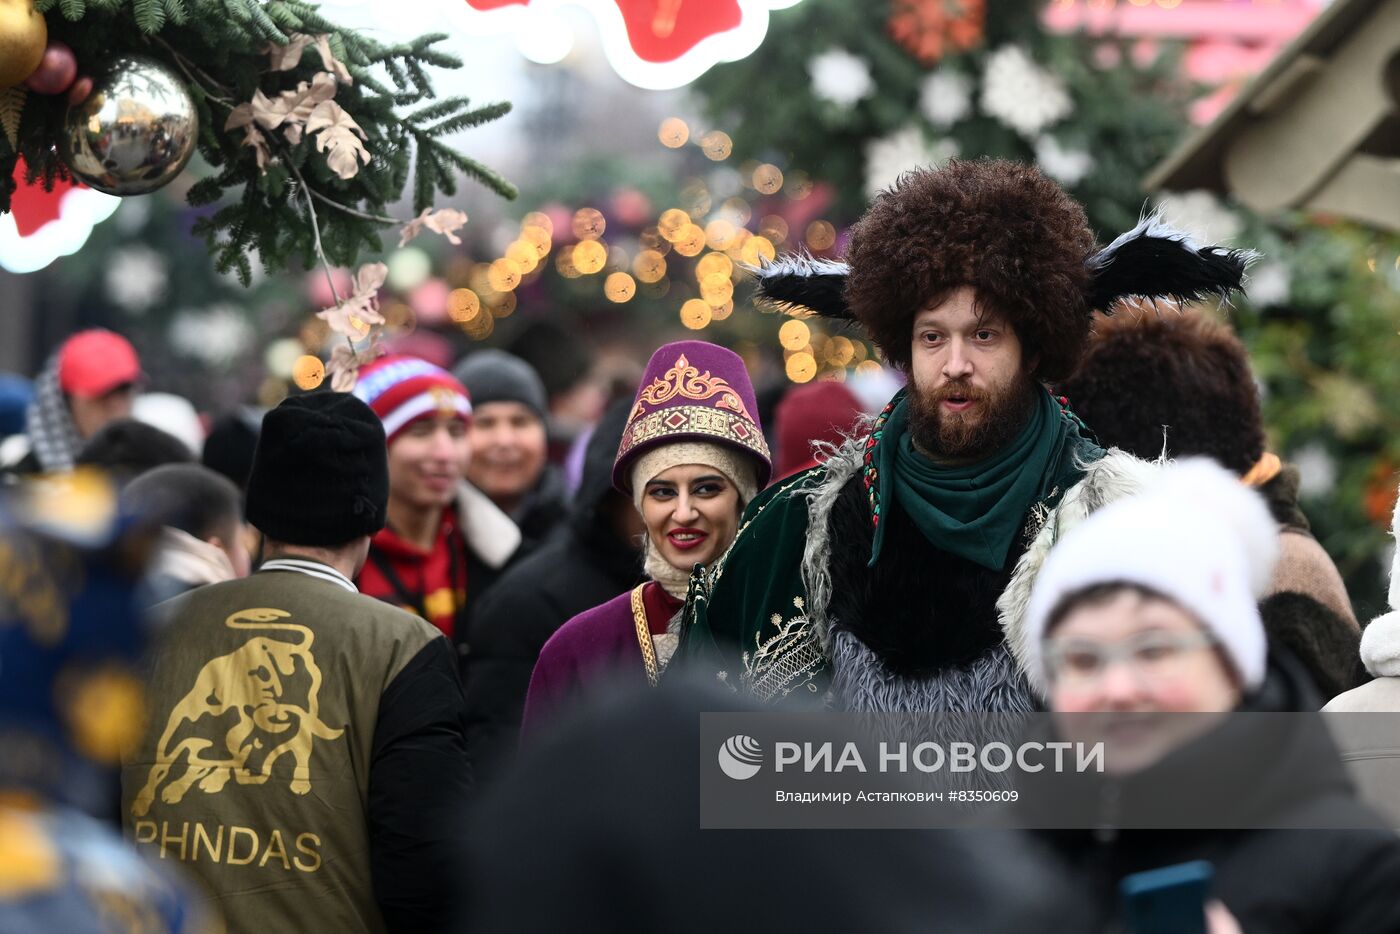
(320, 472)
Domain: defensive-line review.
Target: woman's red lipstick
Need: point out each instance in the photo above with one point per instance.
(690, 538)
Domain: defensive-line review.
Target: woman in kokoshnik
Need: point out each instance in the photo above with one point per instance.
(692, 457)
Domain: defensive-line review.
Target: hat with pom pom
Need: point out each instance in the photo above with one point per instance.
(1194, 534)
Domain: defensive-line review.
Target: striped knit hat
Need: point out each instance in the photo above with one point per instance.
(403, 389)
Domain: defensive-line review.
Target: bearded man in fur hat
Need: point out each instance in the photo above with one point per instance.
(871, 581)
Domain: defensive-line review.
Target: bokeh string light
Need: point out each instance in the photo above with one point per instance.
(696, 314)
(308, 372)
(619, 287)
(689, 253)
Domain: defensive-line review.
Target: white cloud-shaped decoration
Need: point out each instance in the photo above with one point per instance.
(79, 210)
(543, 33)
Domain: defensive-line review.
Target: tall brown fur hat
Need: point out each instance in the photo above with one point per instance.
(1151, 371)
(1003, 228)
(1007, 230)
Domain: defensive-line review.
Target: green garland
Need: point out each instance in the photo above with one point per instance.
(298, 209)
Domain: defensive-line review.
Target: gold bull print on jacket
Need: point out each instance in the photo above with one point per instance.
(249, 684)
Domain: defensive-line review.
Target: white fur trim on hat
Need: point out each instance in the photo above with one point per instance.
(738, 467)
(1194, 534)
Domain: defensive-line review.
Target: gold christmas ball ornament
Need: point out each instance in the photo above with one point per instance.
(135, 132)
(23, 36)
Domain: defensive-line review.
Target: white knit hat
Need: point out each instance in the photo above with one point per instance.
(1194, 534)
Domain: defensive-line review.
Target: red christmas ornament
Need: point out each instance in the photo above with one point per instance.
(930, 29)
(56, 72)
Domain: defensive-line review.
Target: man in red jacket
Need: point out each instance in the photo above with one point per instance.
(444, 541)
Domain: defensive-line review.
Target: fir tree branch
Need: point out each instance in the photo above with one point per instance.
(377, 218)
(185, 65)
(438, 109)
(315, 229)
(470, 119)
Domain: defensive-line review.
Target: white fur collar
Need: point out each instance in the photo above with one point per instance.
(1115, 475)
(189, 559)
(843, 461)
(489, 532)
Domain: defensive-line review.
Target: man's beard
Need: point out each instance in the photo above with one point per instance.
(970, 436)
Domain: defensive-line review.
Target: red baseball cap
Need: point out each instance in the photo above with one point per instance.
(92, 363)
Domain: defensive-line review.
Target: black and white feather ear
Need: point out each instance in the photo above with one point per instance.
(1154, 260)
(798, 281)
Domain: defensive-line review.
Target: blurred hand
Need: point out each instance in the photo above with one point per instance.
(1220, 921)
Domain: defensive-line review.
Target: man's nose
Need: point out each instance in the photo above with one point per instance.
(957, 364)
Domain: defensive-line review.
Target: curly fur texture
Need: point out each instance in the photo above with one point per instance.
(1003, 228)
(1325, 645)
(989, 683)
(1149, 373)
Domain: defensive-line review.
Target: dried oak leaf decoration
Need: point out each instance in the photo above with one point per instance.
(292, 110)
(336, 131)
(446, 222)
(356, 315)
(287, 57)
(288, 110)
(344, 368)
(242, 116)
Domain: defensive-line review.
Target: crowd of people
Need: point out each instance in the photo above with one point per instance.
(407, 666)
